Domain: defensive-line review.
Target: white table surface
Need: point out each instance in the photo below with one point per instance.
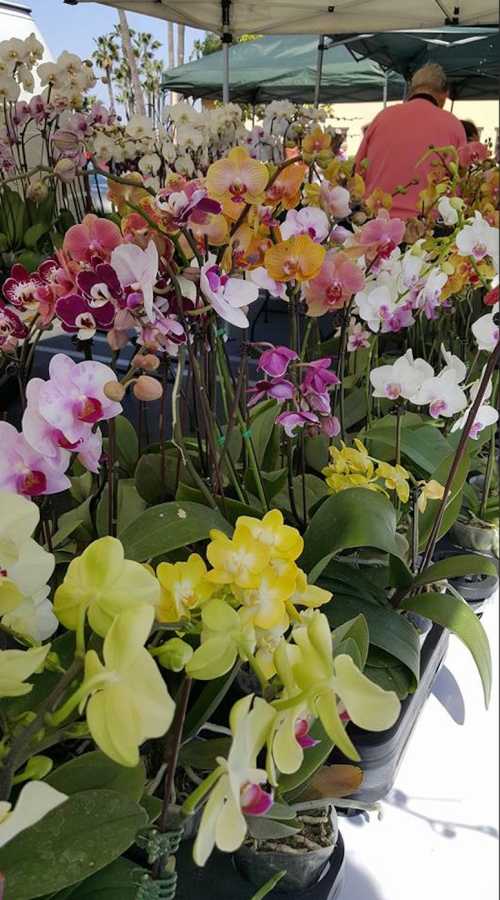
(438, 837)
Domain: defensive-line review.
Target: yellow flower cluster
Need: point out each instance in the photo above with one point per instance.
(354, 467)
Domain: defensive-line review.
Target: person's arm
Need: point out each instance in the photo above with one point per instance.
(363, 150)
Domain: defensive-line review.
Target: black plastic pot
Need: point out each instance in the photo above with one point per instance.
(475, 589)
(220, 879)
(382, 752)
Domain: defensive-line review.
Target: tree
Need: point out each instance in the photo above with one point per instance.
(130, 57)
(106, 55)
(181, 38)
(212, 42)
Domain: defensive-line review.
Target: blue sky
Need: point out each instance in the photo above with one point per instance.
(74, 27)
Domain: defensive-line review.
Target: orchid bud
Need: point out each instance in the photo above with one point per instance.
(65, 169)
(36, 768)
(146, 361)
(191, 273)
(359, 218)
(147, 388)
(37, 190)
(113, 390)
(66, 141)
(174, 654)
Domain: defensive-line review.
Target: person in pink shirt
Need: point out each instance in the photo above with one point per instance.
(398, 137)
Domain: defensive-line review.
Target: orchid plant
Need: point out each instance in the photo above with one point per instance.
(211, 506)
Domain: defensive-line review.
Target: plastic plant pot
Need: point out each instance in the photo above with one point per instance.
(303, 869)
(382, 752)
(475, 589)
(221, 879)
(474, 536)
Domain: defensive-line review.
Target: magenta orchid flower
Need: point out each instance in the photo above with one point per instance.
(279, 390)
(318, 377)
(293, 420)
(303, 738)
(275, 361)
(12, 329)
(95, 236)
(229, 297)
(190, 203)
(21, 287)
(79, 316)
(358, 338)
(137, 269)
(23, 470)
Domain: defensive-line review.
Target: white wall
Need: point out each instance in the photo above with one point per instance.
(16, 21)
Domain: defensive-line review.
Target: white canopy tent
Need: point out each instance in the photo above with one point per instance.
(237, 17)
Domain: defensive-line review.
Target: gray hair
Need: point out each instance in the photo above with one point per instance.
(431, 77)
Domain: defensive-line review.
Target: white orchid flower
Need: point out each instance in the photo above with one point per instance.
(401, 379)
(138, 269)
(25, 567)
(443, 394)
(486, 333)
(478, 239)
(485, 416)
(230, 297)
(35, 800)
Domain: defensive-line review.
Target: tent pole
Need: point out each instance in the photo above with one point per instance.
(386, 84)
(319, 70)
(227, 40)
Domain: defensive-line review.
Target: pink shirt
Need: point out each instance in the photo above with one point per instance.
(395, 141)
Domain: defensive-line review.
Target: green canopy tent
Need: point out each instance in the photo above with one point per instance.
(469, 56)
(278, 68)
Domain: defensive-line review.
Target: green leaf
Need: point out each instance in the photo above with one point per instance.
(261, 426)
(34, 233)
(455, 566)
(148, 477)
(387, 628)
(353, 518)
(129, 507)
(458, 617)
(168, 527)
(391, 675)
(264, 829)
(127, 444)
(95, 770)
(269, 886)
(153, 806)
(401, 575)
(355, 630)
(355, 407)
(317, 452)
(116, 882)
(202, 755)
(209, 698)
(316, 489)
(83, 835)
(76, 521)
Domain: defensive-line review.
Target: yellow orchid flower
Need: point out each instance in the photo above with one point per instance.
(268, 640)
(102, 583)
(25, 567)
(309, 595)
(237, 789)
(378, 200)
(18, 665)
(184, 586)
(282, 540)
(173, 654)
(239, 560)
(298, 258)
(266, 604)
(226, 635)
(430, 490)
(285, 189)
(323, 680)
(235, 180)
(396, 478)
(125, 698)
(317, 146)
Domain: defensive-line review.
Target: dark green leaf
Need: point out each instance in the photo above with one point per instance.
(33, 234)
(316, 489)
(455, 566)
(127, 444)
(263, 828)
(261, 427)
(353, 518)
(202, 755)
(207, 702)
(116, 882)
(129, 507)
(83, 835)
(169, 526)
(458, 617)
(95, 770)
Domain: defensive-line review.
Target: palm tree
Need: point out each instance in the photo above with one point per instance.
(181, 37)
(131, 60)
(106, 55)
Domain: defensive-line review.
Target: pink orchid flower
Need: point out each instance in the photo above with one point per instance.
(93, 237)
(264, 281)
(338, 279)
(293, 420)
(318, 377)
(310, 220)
(302, 736)
(336, 201)
(24, 470)
(255, 801)
(73, 398)
(281, 389)
(275, 361)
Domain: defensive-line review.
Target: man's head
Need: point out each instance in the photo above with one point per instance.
(430, 79)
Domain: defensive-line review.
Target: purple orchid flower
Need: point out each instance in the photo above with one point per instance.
(280, 390)
(318, 377)
(275, 361)
(79, 316)
(292, 420)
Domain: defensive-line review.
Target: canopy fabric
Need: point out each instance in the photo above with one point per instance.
(470, 57)
(311, 16)
(278, 68)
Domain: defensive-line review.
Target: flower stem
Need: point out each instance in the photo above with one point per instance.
(193, 801)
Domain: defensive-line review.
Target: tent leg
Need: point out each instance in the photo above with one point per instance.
(319, 70)
(225, 81)
(386, 80)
